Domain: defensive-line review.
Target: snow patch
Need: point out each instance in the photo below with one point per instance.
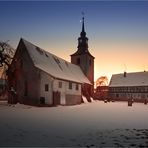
(84, 99)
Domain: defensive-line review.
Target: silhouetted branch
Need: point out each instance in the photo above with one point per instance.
(6, 56)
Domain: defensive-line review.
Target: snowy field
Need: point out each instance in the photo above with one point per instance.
(89, 125)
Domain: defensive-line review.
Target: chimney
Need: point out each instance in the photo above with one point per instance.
(125, 74)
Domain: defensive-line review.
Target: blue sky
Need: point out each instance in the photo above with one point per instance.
(117, 30)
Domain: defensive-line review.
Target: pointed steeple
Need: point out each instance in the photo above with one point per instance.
(83, 33)
(82, 41)
(83, 29)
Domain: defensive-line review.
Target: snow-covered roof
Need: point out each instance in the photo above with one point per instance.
(55, 66)
(130, 79)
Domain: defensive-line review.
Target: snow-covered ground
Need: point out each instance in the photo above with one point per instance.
(90, 124)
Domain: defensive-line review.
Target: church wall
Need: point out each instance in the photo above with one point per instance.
(86, 64)
(67, 95)
(24, 78)
(87, 68)
(46, 88)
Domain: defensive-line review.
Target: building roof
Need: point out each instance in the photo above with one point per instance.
(129, 79)
(53, 65)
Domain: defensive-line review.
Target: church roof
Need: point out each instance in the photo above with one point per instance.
(129, 79)
(53, 65)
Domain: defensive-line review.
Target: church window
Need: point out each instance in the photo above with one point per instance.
(60, 84)
(77, 87)
(39, 50)
(58, 62)
(70, 85)
(117, 95)
(46, 55)
(78, 61)
(46, 87)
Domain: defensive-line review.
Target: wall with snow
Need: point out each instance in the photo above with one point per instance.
(24, 77)
(46, 80)
(65, 92)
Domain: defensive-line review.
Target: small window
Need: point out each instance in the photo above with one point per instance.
(78, 61)
(70, 85)
(77, 87)
(60, 84)
(39, 50)
(58, 62)
(117, 95)
(46, 55)
(46, 87)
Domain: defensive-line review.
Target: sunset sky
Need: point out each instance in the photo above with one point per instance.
(117, 30)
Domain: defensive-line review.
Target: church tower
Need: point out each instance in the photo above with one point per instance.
(83, 58)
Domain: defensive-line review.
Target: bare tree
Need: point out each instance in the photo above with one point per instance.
(6, 56)
(102, 81)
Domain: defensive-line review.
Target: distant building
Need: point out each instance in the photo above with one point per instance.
(38, 77)
(85, 60)
(127, 86)
(101, 92)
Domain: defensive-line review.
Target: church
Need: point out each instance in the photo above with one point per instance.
(40, 78)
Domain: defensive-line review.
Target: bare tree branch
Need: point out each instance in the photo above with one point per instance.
(102, 81)
(6, 56)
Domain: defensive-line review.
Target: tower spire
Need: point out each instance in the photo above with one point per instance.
(83, 33)
(83, 29)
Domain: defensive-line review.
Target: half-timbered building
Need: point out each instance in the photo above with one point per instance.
(127, 86)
